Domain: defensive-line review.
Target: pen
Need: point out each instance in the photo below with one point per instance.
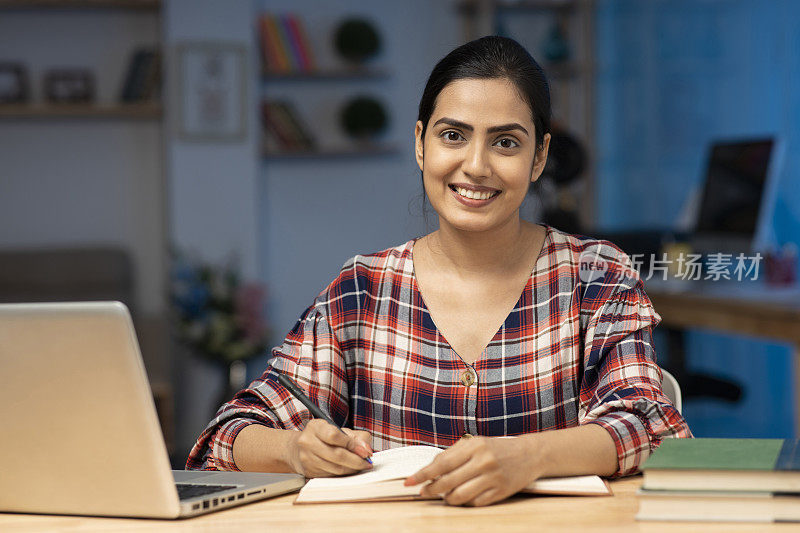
(316, 412)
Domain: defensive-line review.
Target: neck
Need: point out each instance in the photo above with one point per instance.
(468, 253)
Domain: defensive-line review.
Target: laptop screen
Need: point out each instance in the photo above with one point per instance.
(734, 188)
(738, 197)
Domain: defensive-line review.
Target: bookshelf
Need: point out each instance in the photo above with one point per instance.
(289, 59)
(144, 5)
(525, 5)
(480, 17)
(372, 149)
(572, 81)
(143, 111)
(320, 74)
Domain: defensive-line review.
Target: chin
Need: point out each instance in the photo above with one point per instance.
(471, 225)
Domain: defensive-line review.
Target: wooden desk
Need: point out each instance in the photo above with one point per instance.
(768, 313)
(520, 513)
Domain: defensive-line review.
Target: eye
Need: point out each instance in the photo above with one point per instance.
(447, 135)
(504, 139)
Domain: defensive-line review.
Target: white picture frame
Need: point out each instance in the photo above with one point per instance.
(212, 91)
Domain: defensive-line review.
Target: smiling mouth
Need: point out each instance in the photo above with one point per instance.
(474, 195)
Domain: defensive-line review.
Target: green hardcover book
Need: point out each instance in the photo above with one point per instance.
(770, 465)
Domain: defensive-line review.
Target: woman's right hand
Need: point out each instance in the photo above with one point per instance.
(322, 450)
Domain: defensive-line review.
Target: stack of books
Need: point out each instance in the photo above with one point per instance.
(284, 130)
(284, 44)
(742, 480)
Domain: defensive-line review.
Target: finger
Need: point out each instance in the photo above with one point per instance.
(445, 462)
(366, 438)
(329, 434)
(321, 467)
(468, 491)
(487, 497)
(451, 480)
(335, 436)
(359, 442)
(341, 456)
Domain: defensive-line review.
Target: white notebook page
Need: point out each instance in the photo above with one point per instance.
(396, 463)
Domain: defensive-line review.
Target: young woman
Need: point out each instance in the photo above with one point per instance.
(490, 326)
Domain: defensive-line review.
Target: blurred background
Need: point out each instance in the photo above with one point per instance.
(213, 164)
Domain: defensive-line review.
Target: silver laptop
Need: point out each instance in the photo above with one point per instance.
(79, 428)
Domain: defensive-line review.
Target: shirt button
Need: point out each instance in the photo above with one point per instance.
(467, 378)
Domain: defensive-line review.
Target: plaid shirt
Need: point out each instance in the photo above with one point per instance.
(576, 349)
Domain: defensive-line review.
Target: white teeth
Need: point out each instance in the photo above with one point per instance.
(474, 194)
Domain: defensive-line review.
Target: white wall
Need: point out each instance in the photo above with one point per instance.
(212, 184)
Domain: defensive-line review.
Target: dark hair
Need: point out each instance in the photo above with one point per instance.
(491, 57)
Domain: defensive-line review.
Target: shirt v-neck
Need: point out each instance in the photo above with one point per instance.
(526, 290)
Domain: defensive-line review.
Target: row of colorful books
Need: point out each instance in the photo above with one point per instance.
(284, 130)
(739, 480)
(284, 44)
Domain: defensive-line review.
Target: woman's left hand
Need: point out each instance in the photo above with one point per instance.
(479, 471)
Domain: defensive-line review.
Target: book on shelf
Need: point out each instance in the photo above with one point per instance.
(283, 126)
(290, 46)
(300, 42)
(151, 89)
(753, 480)
(143, 76)
(285, 46)
(273, 130)
(268, 57)
(275, 56)
(385, 481)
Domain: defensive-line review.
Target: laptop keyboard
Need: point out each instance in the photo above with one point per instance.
(191, 490)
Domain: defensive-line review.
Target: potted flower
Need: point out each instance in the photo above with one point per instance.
(219, 317)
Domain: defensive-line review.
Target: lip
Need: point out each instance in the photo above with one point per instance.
(470, 202)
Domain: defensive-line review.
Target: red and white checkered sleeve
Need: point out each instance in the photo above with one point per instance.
(310, 355)
(621, 386)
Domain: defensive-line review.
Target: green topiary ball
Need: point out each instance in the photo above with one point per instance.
(363, 117)
(356, 40)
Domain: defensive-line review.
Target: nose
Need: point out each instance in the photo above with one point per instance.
(476, 161)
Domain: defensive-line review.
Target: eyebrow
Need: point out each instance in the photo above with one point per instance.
(493, 129)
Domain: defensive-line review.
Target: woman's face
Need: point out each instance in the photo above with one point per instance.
(479, 154)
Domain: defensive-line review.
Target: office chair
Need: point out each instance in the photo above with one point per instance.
(672, 389)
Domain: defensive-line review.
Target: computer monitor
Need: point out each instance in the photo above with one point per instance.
(738, 197)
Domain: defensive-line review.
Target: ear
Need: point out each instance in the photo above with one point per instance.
(418, 148)
(541, 158)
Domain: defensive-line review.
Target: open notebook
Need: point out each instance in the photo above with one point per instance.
(391, 467)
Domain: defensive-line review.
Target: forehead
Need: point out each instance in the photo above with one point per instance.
(482, 100)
